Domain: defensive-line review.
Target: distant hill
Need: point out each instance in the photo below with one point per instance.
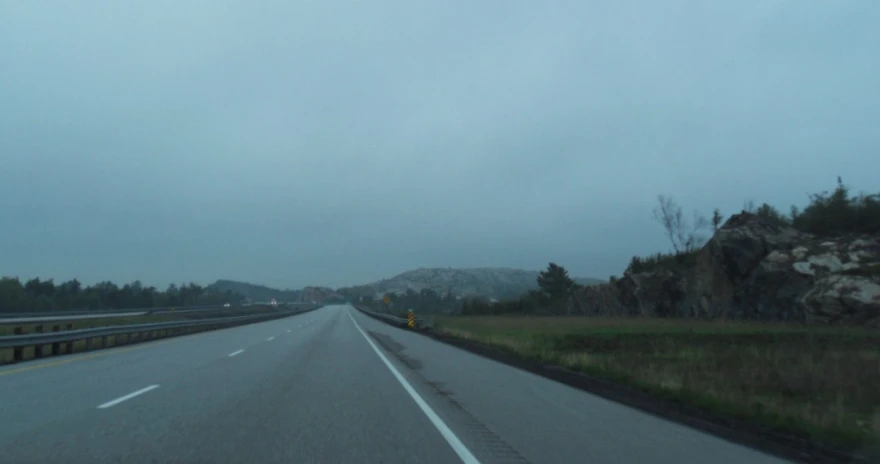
(321, 295)
(254, 292)
(498, 283)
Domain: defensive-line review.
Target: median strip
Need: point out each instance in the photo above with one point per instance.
(25, 344)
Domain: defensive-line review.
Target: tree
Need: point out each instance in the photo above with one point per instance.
(837, 213)
(684, 237)
(12, 294)
(555, 282)
(769, 212)
(717, 219)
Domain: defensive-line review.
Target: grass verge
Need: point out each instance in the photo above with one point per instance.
(817, 383)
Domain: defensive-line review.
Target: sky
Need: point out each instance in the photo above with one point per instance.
(293, 143)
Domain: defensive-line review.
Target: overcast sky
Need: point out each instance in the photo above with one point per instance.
(295, 143)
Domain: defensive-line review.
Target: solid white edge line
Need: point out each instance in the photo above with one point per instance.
(236, 353)
(127, 397)
(460, 449)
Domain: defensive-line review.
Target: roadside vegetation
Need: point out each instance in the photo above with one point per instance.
(817, 382)
(820, 383)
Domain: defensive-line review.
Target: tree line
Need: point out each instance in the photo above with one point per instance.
(554, 287)
(44, 295)
(828, 214)
(400, 303)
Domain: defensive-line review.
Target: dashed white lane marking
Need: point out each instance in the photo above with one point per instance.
(234, 353)
(288, 330)
(270, 339)
(460, 449)
(127, 397)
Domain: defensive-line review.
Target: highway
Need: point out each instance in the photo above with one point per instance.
(327, 386)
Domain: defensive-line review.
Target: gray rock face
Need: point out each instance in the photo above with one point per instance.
(757, 269)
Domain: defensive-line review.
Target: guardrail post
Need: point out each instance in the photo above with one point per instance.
(89, 342)
(38, 349)
(69, 348)
(104, 341)
(18, 351)
(56, 347)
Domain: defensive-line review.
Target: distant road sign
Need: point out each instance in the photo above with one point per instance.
(387, 299)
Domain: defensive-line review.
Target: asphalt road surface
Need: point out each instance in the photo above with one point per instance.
(328, 386)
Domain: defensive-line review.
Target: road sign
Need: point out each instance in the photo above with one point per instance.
(411, 319)
(387, 299)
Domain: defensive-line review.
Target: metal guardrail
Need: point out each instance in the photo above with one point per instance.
(50, 316)
(421, 323)
(83, 314)
(145, 332)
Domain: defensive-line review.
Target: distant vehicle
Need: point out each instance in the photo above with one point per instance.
(273, 302)
(226, 305)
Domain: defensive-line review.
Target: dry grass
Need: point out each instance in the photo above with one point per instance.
(818, 382)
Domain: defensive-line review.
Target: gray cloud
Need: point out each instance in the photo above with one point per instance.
(337, 142)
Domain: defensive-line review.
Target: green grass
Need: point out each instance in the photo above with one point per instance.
(822, 383)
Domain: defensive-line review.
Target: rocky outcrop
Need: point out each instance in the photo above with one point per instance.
(756, 268)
